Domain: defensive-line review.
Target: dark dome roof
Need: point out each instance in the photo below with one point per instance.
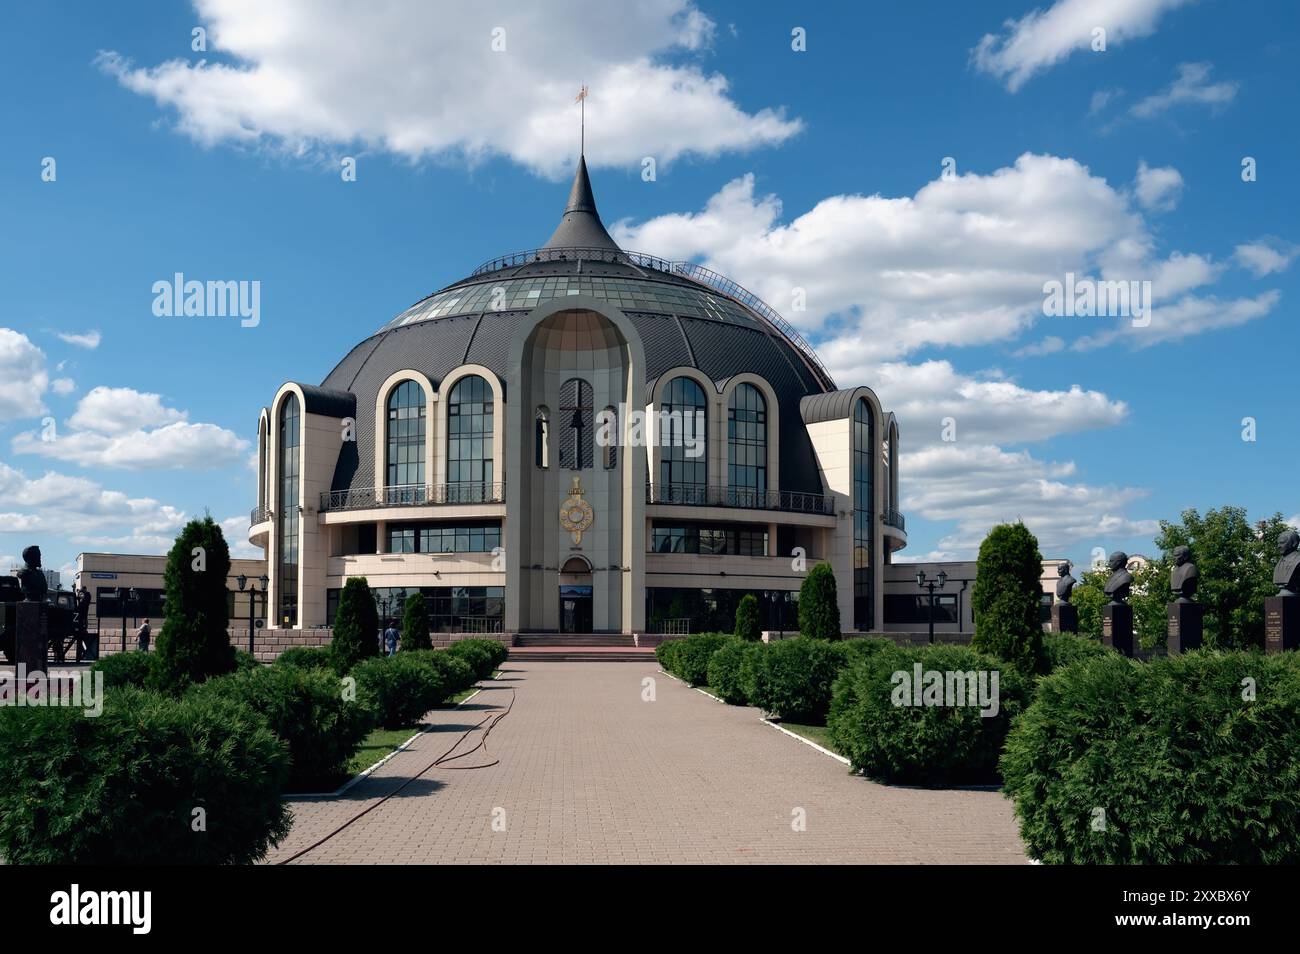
(685, 315)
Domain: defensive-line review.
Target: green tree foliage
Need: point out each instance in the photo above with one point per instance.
(747, 625)
(194, 643)
(415, 624)
(1235, 558)
(356, 624)
(1007, 595)
(1088, 598)
(819, 607)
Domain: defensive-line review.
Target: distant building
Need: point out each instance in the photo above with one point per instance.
(907, 606)
(51, 576)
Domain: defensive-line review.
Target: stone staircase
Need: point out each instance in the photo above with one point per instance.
(578, 647)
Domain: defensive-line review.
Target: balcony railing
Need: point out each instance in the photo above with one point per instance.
(412, 495)
(692, 495)
(259, 515)
(893, 518)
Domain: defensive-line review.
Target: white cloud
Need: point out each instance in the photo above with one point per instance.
(130, 430)
(1049, 345)
(1158, 188)
(63, 386)
(89, 340)
(1264, 257)
(121, 410)
(1191, 86)
(1101, 99)
(1042, 38)
(236, 532)
(422, 80)
(1187, 316)
(57, 503)
(23, 376)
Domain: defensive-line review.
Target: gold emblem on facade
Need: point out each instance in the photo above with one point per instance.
(576, 514)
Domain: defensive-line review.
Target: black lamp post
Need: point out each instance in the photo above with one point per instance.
(252, 600)
(135, 599)
(931, 586)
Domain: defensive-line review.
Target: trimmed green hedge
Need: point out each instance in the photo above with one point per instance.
(308, 657)
(688, 658)
(1164, 762)
(454, 669)
(875, 726)
(1062, 649)
(725, 668)
(404, 687)
(133, 669)
(308, 710)
(794, 678)
(123, 788)
(483, 655)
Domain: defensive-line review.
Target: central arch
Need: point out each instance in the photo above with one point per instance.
(576, 595)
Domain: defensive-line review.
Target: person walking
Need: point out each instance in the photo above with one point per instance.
(390, 639)
(142, 636)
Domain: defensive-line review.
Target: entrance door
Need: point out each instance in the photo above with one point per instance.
(575, 609)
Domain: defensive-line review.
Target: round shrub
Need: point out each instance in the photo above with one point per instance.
(307, 657)
(483, 655)
(666, 654)
(1182, 760)
(748, 626)
(456, 672)
(308, 710)
(402, 687)
(796, 678)
(691, 658)
(122, 788)
(1061, 649)
(725, 665)
(947, 739)
(245, 661)
(126, 669)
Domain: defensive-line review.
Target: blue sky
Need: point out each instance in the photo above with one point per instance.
(820, 170)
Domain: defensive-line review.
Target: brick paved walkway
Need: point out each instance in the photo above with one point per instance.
(590, 773)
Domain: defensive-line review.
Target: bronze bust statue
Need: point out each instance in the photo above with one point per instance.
(1065, 585)
(1184, 575)
(1286, 575)
(31, 578)
(1121, 580)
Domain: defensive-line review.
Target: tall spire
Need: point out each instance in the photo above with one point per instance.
(581, 226)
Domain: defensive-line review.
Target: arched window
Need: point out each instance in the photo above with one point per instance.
(263, 464)
(575, 425)
(542, 437)
(469, 441)
(683, 442)
(747, 447)
(864, 455)
(290, 460)
(406, 422)
(609, 453)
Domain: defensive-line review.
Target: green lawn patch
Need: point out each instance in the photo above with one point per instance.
(378, 744)
(813, 733)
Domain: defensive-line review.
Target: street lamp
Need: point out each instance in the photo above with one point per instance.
(937, 584)
(252, 605)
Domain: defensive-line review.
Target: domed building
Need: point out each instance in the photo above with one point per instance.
(583, 439)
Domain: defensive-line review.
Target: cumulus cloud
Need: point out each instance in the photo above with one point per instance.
(23, 375)
(236, 533)
(423, 80)
(1264, 257)
(80, 507)
(63, 386)
(1042, 38)
(1158, 189)
(89, 340)
(1192, 86)
(122, 428)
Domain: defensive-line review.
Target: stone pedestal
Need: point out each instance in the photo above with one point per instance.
(1117, 627)
(1183, 626)
(32, 629)
(1065, 618)
(1281, 623)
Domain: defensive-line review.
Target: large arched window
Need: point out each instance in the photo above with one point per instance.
(575, 425)
(290, 461)
(405, 437)
(263, 464)
(469, 441)
(864, 455)
(747, 447)
(683, 442)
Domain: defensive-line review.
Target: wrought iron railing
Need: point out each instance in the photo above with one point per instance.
(478, 624)
(259, 515)
(412, 495)
(893, 518)
(697, 273)
(695, 495)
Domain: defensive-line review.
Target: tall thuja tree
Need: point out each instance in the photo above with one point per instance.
(747, 623)
(1007, 596)
(1235, 558)
(194, 643)
(415, 624)
(819, 606)
(356, 624)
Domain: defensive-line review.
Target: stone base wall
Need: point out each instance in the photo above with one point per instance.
(269, 643)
